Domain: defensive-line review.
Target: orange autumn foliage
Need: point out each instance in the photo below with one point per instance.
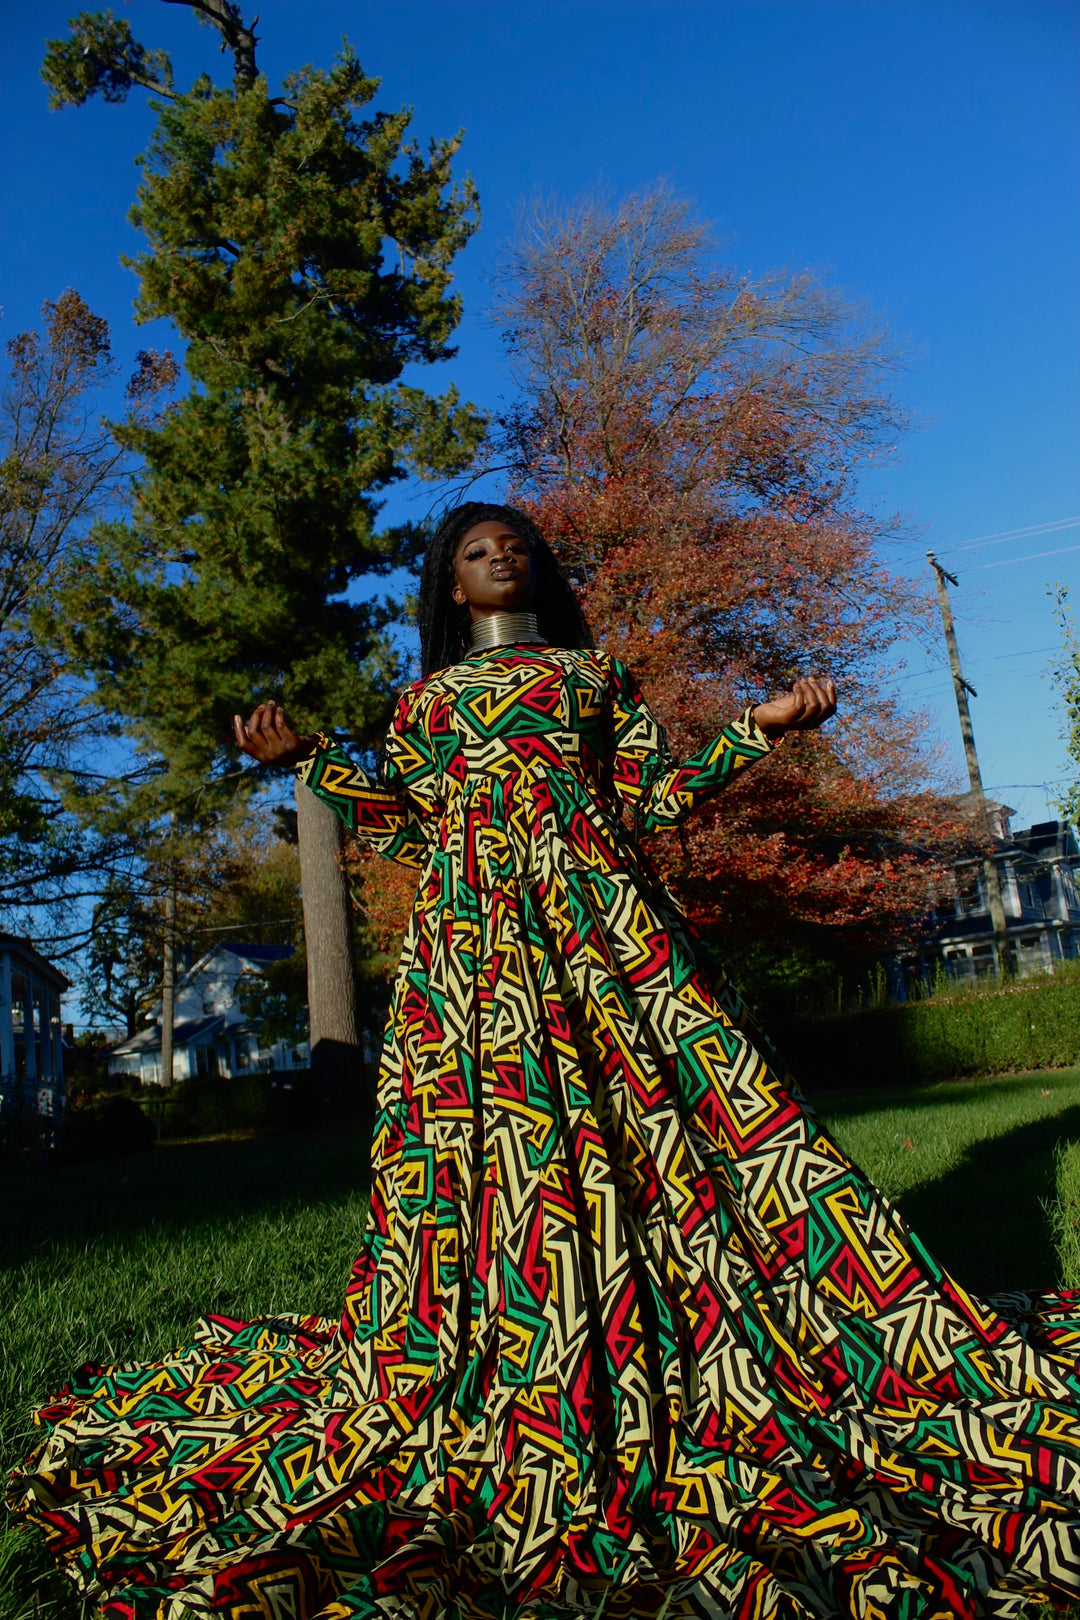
(688, 440)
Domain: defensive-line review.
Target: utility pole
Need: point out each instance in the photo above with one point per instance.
(1002, 954)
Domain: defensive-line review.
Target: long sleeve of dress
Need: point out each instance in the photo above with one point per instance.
(396, 817)
(660, 792)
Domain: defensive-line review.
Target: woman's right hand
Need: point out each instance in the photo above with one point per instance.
(269, 738)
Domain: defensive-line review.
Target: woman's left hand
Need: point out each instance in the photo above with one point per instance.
(269, 738)
(808, 704)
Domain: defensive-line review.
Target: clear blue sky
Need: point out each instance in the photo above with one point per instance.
(924, 156)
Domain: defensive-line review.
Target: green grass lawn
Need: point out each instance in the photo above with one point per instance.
(973, 1166)
(115, 1261)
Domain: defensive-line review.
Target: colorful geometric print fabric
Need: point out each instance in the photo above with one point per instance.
(629, 1335)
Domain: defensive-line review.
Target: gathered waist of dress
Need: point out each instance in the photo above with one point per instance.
(525, 770)
(525, 778)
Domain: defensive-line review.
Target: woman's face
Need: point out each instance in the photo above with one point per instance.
(493, 571)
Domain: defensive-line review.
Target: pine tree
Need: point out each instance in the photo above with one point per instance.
(301, 244)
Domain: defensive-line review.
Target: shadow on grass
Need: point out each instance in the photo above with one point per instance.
(176, 1186)
(844, 1104)
(986, 1220)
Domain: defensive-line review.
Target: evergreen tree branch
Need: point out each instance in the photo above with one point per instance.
(102, 57)
(225, 16)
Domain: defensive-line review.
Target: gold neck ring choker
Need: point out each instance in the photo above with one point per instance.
(500, 629)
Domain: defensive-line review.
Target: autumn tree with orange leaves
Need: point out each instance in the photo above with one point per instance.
(689, 440)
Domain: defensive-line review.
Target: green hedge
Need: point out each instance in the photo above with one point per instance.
(105, 1124)
(209, 1107)
(260, 1102)
(1030, 1024)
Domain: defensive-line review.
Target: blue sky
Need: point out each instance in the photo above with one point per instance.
(923, 157)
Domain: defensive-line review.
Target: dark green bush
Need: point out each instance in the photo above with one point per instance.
(106, 1126)
(209, 1107)
(1028, 1024)
(24, 1134)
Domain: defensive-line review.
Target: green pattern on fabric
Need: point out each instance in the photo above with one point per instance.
(629, 1334)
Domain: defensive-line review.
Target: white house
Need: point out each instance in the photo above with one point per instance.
(211, 1035)
(31, 1053)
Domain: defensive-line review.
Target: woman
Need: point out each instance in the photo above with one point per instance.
(628, 1332)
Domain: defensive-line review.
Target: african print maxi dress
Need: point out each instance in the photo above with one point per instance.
(629, 1335)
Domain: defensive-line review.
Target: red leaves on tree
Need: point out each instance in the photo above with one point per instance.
(688, 441)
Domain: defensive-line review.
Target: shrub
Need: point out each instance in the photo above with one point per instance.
(208, 1107)
(1030, 1024)
(106, 1126)
(24, 1133)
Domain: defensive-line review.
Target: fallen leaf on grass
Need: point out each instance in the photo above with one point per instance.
(1044, 1093)
(909, 1144)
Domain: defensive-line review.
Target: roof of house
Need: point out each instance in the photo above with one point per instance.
(38, 963)
(1048, 839)
(969, 800)
(257, 955)
(190, 1032)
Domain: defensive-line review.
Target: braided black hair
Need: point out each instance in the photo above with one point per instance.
(444, 626)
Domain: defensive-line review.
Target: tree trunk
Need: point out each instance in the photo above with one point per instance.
(242, 41)
(168, 976)
(336, 1059)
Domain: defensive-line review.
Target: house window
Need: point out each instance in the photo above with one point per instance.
(202, 1060)
(243, 1053)
(42, 1043)
(969, 889)
(21, 1023)
(1031, 899)
(56, 1033)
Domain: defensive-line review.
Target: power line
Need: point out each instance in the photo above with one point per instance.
(942, 669)
(1028, 532)
(940, 690)
(233, 928)
(1031, 557)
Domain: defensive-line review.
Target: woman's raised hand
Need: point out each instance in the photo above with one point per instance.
(269, 738)
(809, 702)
